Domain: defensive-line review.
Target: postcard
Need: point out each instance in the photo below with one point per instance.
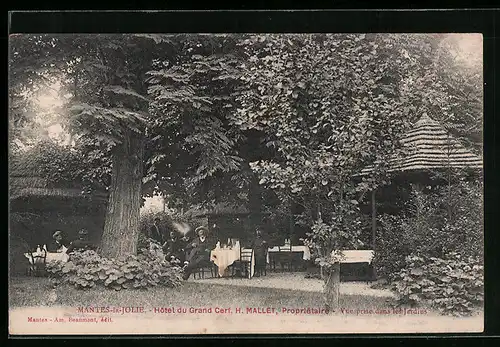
(245, 183)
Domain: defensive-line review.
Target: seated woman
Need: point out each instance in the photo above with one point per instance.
(58, 243)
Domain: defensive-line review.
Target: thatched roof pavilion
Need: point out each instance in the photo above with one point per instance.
(25, 181)
(39, 206)
(427, 146)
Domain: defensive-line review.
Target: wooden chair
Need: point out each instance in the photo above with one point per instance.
(38, 260)
(244, 264)
(205, 265)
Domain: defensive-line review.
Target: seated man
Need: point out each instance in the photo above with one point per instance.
(58, 244)
(174, 247)
(82, 243)
(198, 252)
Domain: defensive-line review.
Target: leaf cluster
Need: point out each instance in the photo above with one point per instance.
(88, 269)
(453, 284)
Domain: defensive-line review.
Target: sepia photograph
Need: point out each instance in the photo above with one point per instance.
(250, 183)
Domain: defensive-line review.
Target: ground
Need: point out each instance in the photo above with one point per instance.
(34, 297)
(284, 289)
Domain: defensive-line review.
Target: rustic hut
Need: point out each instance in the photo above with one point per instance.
(38, 207)
(428, 147)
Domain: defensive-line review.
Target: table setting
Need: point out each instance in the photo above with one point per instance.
(225, 255)
(41, 255)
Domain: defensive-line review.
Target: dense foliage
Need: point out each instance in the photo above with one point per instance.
(424, 227)
(452, 284)
(223, 102)
(88, 269)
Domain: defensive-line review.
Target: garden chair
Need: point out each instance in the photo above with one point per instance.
(244, 264)
(205, 265)
(38, 260)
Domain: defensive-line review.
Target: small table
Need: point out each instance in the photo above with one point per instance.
(224, 257)
(39, 259)
(303, 249)
(360, 257)
(357, 256)
(49, 256)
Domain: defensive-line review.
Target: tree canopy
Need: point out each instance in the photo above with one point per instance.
(235, 117)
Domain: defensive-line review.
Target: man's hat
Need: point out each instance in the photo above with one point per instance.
(200, 228)
(57, 233)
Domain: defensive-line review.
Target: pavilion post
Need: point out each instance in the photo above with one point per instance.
(374, 217)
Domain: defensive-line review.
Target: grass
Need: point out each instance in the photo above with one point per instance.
(36, 297)
(30, 292)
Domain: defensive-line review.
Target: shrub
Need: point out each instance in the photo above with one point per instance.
(400, 236)
(451, 284)
(426, 229)
(392, 247)
(87, 269)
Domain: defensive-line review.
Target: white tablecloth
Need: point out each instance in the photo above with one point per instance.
(225, 257)
(350, 256)
(51, 256)
(305, 249)
(357, 256)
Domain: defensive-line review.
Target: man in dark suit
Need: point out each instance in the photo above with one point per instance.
(58, 242)
(82, 243)
(174, 247)
(198, 252)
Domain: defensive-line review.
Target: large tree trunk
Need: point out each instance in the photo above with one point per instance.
(332, 288)
(121, 228)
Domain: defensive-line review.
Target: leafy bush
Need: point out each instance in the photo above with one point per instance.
(392, 246)
(453, 284)
(342, 232)
(427, 219)
(18, 264)
(87, 269)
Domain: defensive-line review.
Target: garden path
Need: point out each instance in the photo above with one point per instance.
(296, 281)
